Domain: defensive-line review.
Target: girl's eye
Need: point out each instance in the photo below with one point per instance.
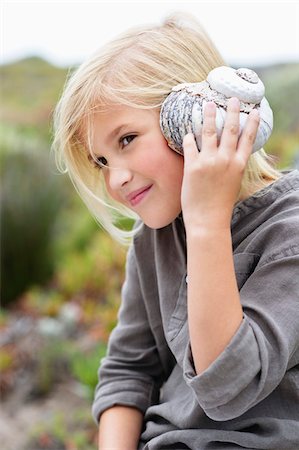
(124, 141)
(98, 162)
(101, 161)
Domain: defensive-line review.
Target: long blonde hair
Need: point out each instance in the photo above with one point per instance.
(137, 69)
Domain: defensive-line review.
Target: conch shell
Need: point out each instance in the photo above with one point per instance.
(182, 110)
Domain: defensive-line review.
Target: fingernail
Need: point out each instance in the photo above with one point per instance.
(254, 113)
(234, 101)
(210, 107)
(188, 137)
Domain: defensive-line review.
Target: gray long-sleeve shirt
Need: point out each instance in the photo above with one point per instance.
(249, 396)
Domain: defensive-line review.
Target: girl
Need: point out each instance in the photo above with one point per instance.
(205, 353)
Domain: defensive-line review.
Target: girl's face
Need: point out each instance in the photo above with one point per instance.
(139, 168)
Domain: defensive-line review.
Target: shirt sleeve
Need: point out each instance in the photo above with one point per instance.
(131, 373)
(264, 347)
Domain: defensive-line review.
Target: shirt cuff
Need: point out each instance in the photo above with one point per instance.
(227, 388)
(129, 393)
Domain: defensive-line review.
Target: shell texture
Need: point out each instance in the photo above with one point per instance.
(182, 110)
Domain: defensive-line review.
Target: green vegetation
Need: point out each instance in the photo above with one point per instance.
(84, 367)
(6, 360)
(61, 433)
(31, 198)
(281, 84)
(282, 87)
(63, 359)
(30, 89)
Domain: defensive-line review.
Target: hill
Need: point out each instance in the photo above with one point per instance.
(31, 87)
(282, 91)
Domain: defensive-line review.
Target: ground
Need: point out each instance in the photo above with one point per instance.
(43, 405)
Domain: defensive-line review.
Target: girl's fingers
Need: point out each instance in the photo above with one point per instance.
(209, 133)
(248, 135)
(230, 134)
(190, 148)
(230, 141)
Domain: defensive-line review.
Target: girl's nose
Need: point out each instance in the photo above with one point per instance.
(118, 177)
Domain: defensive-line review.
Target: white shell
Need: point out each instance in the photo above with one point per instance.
(182, 110)
(241, 83)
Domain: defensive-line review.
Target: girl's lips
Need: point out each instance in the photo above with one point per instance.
(137, 196)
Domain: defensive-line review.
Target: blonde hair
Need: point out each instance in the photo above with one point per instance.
(137, 69)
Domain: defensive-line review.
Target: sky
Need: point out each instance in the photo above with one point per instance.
(66, 32)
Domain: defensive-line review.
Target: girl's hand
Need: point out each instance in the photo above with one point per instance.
(213, 176)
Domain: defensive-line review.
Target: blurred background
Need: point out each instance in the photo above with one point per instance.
(60, 273)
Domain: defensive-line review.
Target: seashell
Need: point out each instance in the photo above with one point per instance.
(182, 110)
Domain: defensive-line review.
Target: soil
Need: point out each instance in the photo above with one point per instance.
(29, 404)
(18, 419)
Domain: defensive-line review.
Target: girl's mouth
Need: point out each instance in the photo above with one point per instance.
(135, 197)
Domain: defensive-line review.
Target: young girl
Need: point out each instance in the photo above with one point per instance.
(205, 353)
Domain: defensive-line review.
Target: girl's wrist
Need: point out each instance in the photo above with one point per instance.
(205, 223)
(204, 231)
(210, 218)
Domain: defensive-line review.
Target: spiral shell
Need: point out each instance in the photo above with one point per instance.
(182, 110)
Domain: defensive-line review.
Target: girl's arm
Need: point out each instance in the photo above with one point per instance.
(214, 308)
(120, 428)
(211, 185)
(132, 371)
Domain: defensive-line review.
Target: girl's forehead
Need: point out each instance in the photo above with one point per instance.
(123, 113)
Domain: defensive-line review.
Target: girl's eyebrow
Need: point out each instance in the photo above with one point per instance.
(117, 131)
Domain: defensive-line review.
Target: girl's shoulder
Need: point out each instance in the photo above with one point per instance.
(287, 182)
(266, 223)
(279, 195)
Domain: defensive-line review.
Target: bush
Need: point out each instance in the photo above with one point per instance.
(84, 367)
(77, 431)
(31, 197)
(95, 271)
